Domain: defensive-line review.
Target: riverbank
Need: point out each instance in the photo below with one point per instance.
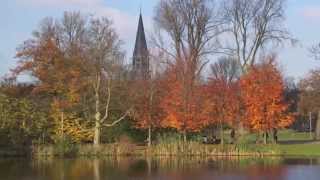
(291, 144)
(181, 149)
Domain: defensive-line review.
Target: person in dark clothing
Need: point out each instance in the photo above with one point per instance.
(232, 135)
(275, 135)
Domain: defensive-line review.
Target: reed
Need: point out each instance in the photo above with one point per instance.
(169, 147)
(174, 146)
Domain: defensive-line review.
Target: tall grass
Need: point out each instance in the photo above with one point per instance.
(166, 145)
(87, 150)
(173, 145)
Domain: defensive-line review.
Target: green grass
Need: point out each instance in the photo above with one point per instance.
(291, 143)
(291, 135)
(299, 149)
(286, 135)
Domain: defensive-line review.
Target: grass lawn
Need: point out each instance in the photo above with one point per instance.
(291, 135)
(284, 136)
(299, 149)
(290, 143)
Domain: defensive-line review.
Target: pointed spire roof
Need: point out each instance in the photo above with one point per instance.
(140, 49)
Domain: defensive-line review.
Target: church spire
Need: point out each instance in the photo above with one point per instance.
(140, 53)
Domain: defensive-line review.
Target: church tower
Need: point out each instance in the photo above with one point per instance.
(140, 54)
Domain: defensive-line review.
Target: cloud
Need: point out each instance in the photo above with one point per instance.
(311, 12)
(61, 3)
(124, 23)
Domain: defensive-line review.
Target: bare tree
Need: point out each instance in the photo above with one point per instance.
(226, 69)
(310, 97)
(254, 25)
(105, 58)
(315, 51)
(191, 26)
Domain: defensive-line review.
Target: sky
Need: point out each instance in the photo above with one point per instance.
(18, 18)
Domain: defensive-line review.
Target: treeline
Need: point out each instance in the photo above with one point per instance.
(84, 91)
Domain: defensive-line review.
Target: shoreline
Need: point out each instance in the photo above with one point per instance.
(164, 150)
(181, 150)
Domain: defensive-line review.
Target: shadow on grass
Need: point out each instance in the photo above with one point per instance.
(299, 142)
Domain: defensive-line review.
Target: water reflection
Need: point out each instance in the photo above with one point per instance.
(171, 168)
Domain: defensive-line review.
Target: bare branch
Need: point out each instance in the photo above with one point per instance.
(254, 25)
(315, 51)
(119, 120)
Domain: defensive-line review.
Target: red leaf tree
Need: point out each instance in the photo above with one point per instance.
(182, 104)
(223, 100)
(262, 93)
(147, 112)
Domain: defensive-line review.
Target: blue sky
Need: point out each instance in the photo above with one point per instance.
(18, 18)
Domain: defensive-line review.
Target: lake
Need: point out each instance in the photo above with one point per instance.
(130, 168)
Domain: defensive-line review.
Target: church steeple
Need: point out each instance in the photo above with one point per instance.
(140, 53)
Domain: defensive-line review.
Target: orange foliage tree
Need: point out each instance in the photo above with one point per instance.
(222, 104)
(222, 91)
(262, 94)
(147, 112)
(57, 71)
(181, 104)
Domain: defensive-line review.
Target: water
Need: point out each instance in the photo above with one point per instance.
(126, 168)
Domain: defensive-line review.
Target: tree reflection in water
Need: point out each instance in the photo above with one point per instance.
(171, 168)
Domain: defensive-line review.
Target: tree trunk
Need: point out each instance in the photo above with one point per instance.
(265, 137)
(221, 133)
(62, 126)
(149, 136)
(97, 128)
(184, 136)
(317, 130)
(97, 133)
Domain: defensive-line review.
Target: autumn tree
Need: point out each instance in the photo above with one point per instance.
(223, 97)
(191, 27)
(262, 94)
(309, 97)
(51, 61)
(21, 123)
(147, 112)
(185, 117)
(147, 93)
(76, 62)
(253, 25)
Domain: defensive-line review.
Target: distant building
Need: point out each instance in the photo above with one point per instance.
(140, 64)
